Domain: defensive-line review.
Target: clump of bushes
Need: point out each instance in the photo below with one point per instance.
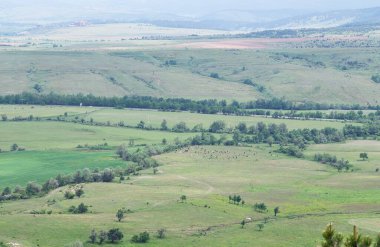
(113, 235)
(80, 209)
(332, 161)
(140, 238)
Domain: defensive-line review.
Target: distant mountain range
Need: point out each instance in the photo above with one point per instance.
(15, 19)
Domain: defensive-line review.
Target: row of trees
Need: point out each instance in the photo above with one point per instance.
(333, 161)
(146, 102)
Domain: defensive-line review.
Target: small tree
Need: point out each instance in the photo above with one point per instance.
(115, 235)
(331, 238)
(183, 198)
(4, 117)
(120, 214)
(377, 244)
(242, 223)
(102, 236)
(6, 191)
(276, 211)
(260, 226)
(164, 141)
(69, 195)
(164, 125)
(93, 236)
(364, 156)
(14, 147)
(141, 238)
(79, 192)
(161, 233)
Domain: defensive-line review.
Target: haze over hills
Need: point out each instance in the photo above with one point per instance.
(16, 17)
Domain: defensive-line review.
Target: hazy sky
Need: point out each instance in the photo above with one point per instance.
(28, 9)
(196, 6)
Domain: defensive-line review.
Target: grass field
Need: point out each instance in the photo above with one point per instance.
(309, 194)
(321, 75)
(53, 135)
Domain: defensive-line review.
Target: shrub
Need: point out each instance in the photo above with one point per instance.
(81, 209)
(141, 238)
(115, 235)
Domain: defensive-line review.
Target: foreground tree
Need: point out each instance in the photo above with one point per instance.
(102, 236)
(331, 238)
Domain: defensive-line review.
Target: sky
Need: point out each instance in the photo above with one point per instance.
(49, 8)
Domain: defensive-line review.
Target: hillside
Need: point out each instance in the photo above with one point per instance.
(330, 76)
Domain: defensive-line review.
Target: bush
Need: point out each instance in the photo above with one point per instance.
(81, 209)
(115, 235)
(215, 75)
(161, 233)
(141, 238)
(376, 78)
(69, 195)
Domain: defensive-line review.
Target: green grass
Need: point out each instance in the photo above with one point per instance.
(310, 195)
(60, 135)
(18, 168)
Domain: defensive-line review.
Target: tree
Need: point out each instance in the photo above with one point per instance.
(4, 117)
(164, 125)
(260, 226)
(115, 235)
(331, 238)
(242, 223)
(140, 238)
(107, 175)
(69, 195)
(32, 188)
(270, 141)
(217, 126)
(6, 191)
(354, 239)
(161, 233)
(93, 236)
(363, 156)
(164, 141)
(377, 244)
(183, 198)
(120, 214)
(102, 236)
(141, 125)
(276, 211)
(14, 147)
(79, 192)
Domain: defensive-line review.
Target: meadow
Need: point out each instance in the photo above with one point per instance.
(309, 195)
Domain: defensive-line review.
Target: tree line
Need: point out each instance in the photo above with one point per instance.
(210, 106)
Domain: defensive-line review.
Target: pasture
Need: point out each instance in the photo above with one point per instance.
(303, 190)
